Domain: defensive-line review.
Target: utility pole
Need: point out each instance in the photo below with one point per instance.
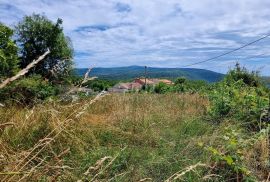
(145, 74)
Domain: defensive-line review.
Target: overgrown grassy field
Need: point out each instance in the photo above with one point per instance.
(131, 137)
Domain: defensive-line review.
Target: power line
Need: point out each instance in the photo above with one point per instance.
(229, 52)
(244, 59)
(254, 56)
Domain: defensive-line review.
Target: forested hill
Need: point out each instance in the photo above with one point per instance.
(131, 72)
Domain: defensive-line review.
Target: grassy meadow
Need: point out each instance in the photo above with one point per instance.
(131, 137)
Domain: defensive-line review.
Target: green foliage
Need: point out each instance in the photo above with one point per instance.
(162, 88)
(233, 97)
(29, 90)
(182, 85)
(99, 85)
(229, 165)
(193, 86)
(241, 73)
(8, 52)
(180, 80)
(35, 34)
(230, 154)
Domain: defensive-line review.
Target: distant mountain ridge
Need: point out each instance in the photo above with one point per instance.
(131, 72)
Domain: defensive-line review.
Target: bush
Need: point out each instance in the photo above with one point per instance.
(230, 155)
(240, 95)
(162, 88)
(241, 73)
(180, 80)
(100, 85)
(238, 100)
(193, 86)
(182, 86)
(29, 90)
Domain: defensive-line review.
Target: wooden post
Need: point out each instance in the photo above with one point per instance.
(145, 76)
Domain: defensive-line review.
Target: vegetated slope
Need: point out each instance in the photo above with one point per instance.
(131, 72)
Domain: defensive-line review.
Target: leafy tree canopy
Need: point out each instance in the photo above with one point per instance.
(35, 34)
(241, 73)
(8, 52)
(99, 84)
(180, 80)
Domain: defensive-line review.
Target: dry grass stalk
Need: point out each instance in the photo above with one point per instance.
(55, 165)
(115, 108)
(181, 173)
(24, 71)
(63, 153)
(210, 176)
(85, 79)
(61, 167)
(146, 179)
(99, 96)
(118, 175)
(107, 166)
(32, 169)
(13, 173)
(86, 76)
(43, 143)
(98, 165)
(268, 178)
(4, 125)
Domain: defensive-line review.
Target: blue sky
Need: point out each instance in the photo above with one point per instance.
(159, 33)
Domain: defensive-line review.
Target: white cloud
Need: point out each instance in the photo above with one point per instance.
(160, 33)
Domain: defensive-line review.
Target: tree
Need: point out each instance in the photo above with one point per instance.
(241, 73)
(8, 52)
(36, 34)
(180, 80)
(161, 88)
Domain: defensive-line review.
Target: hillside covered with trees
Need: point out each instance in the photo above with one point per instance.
(131, 72)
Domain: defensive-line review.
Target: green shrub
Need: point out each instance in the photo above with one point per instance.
(28, 90)
(100, 85)
(240, 95)
(180, 80)
(238, 100)
(182, 86)
(229, 156)
(161, 88)
(241, 73)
